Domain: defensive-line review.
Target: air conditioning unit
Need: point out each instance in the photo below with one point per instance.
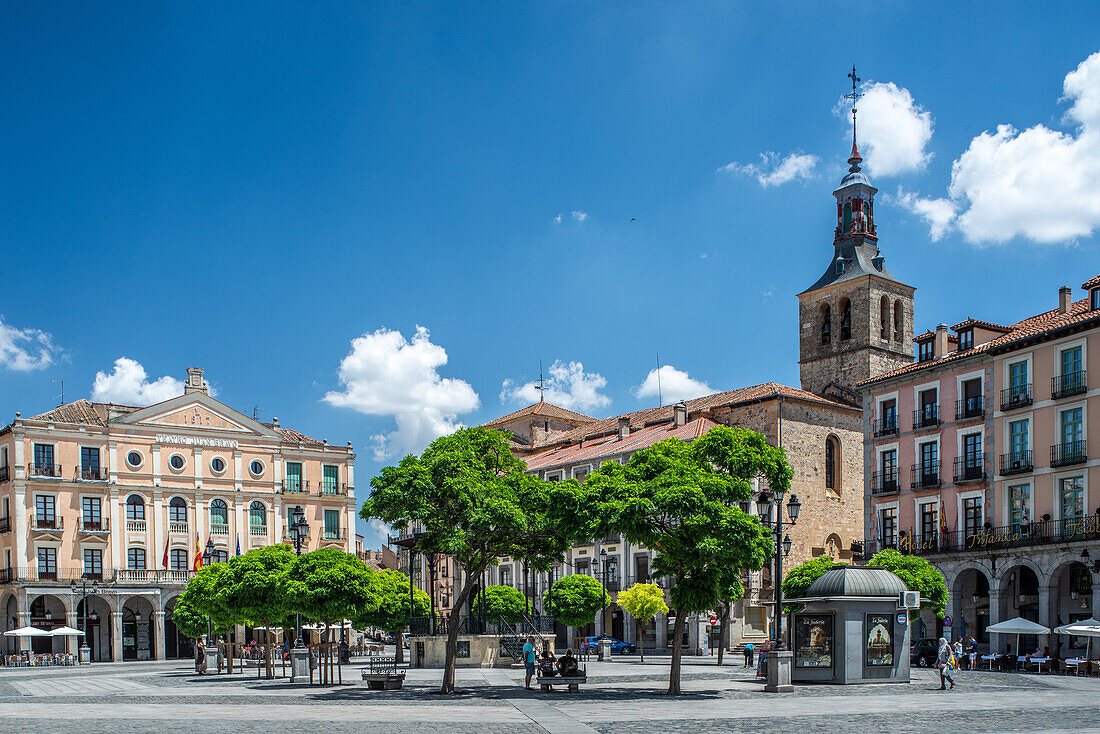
(909, 599)
(1016, 464)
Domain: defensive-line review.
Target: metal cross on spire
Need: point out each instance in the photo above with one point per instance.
(854, 96)
(541, 387)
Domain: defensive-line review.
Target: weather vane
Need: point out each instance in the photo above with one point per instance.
(854, 96)
(542, 383)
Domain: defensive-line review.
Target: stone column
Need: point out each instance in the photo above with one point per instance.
(118, 528)
(157, 518)
(158, 635)
(1044, 603)
(662, 632)
(116, 636)
(24, 621)
(72, 643)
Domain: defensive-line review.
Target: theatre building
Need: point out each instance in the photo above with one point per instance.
(103, 509)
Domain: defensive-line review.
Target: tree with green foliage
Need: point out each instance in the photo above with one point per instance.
(918, 575)
(390, 590)
(468, 497)
(643, 602)
(204, 595)
(730, 590)
(796, 582)
(253, 586)
(328, 586)
(683, 501)
(575, 599)
(190, 622)
(501, 602)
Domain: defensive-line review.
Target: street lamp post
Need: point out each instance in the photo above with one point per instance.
(299, 532)
(85, 651)
(779, 672)
(602, 570)
(207, 555)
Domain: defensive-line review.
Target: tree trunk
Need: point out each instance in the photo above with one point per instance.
(399, 638)
(722, 633)
(452, 631)
(677, 651)
(641, 651)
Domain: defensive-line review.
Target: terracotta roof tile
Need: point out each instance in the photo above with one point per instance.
(79, 412)
(1091, 283)
(293, 436)
(988, 325)
(605, 447)
(547, 410)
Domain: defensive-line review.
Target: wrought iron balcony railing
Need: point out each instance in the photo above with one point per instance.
(38, 471)
(1016, 462)
(1016, 396)
(884, 482)
(927, 416)
(972, 407)
(1067, 453)
(886, 427)
(91, 474)
(969, 469)
(1070, 383)
(925, 475)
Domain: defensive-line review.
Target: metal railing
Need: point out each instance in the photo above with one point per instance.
(257, 530)
(51, 471)
(101, 525)
(1067, 453)
(334, 535)
(178, 528)
(884, 482)
(925, 475)
(91, 474)
(327, 488)
(886, 427)
(927, 416)
(1018, 535)
(972, 407)
(294, 486)
(1016, 462)
(969, 469)
(1070, 383)
(1016, 396)
(152, 576)
(135, 526)
(54, 523)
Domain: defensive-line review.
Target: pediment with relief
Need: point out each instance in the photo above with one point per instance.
(197, 411)
(195, 416)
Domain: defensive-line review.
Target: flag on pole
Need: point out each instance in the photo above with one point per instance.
(198, 553)
(238, 546)
(165, 561)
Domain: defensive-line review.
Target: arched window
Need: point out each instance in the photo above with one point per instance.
(826, 323)
(257, 514)
(884, 317)
(135, 507)
(899, 315)
(832, 459)
(847, 217)
(845, 319)
(219, 513)
(177, 510)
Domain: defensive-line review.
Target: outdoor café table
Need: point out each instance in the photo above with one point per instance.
(1039, 662)
(991, 658)
(1074, 663)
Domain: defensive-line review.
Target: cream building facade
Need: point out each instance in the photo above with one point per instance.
(124, 498)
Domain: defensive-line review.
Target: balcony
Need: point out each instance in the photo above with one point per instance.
(1068, 453)
(44, 471)
(1017, 462)
(1020, 535)
(90, 474)
(257, 531)
(967, 408)
(1014, 397)
(94, 527)
(886, 427)
(135, 526)
(176, 527)
(927, 416)
(152, 576)
(969, 469)
(334, 536)
(5, 473)
(1071, 383)
(219, 528)
(884, 482)
(5, 524)
(925, 475)
(48, 524)
(294, 486)
(336, 490)
(919, 545)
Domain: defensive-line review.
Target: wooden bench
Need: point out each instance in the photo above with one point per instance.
(572, 681)
(381, 673)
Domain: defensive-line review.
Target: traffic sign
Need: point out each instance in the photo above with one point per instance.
(903, 617)
(947, 621)
(713, 619)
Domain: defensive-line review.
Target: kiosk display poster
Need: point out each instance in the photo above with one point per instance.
(878, 644)
(813, 640)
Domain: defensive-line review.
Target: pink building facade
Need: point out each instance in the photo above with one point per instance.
(978, 456)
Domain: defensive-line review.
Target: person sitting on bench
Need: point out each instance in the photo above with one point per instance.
(567, 664)
(547, 667)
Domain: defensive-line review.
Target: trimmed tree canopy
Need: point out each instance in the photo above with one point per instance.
(390, 589)
(502, 602)
(643, 601)
(918, 575)
(204, 595)
(188, 620)
(329, 585)
(576, 599)
(253, 584)
(796, 582)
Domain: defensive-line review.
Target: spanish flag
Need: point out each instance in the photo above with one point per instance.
(198, 553)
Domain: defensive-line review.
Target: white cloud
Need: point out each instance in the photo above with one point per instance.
(579, 215)
(774, 171)
(938, 214)
(675, 385)
(568, 386)
(24, 350)
(384, 374)
(128, 384)
(557, 219)
(893, 129)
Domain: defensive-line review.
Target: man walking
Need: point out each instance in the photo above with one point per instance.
(943, 662)
(748, 655)
(529, 660)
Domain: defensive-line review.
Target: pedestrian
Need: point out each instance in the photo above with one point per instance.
(748, 655)
(972, 653)
(958, 651)
(529, 660)
(943, 661)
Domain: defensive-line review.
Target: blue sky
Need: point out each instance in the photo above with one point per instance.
(251, 187)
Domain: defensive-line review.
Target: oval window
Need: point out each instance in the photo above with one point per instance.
(257, 468)
(134, 459)
(217, 464)
(176, 462)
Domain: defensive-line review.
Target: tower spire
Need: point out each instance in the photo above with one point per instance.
(855, 158)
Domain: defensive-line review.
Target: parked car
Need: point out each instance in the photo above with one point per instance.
(618, 647)
(922, 653)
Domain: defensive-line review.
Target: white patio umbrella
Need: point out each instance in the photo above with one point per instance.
(1082, 628)
(28, 632)
(65, 632)
(1018, 626)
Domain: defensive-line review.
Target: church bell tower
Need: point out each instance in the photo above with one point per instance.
(856, 321)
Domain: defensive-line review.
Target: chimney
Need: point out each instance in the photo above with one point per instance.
(679, 414)
(624, 427)
(1065, 298)
(195, 383)
(939, 342)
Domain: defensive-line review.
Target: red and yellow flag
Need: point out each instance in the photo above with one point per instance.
(198, 553)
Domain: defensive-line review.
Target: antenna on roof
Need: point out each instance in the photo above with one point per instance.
(61, 397)
(660, 398)
(541, 387)
(257, 410)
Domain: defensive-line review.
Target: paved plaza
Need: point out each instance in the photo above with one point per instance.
(624, 697)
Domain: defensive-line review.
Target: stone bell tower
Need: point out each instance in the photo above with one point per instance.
(856, 321)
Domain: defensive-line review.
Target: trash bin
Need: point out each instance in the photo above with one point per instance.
(604, 650)
(299, 664)
(345, 652)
